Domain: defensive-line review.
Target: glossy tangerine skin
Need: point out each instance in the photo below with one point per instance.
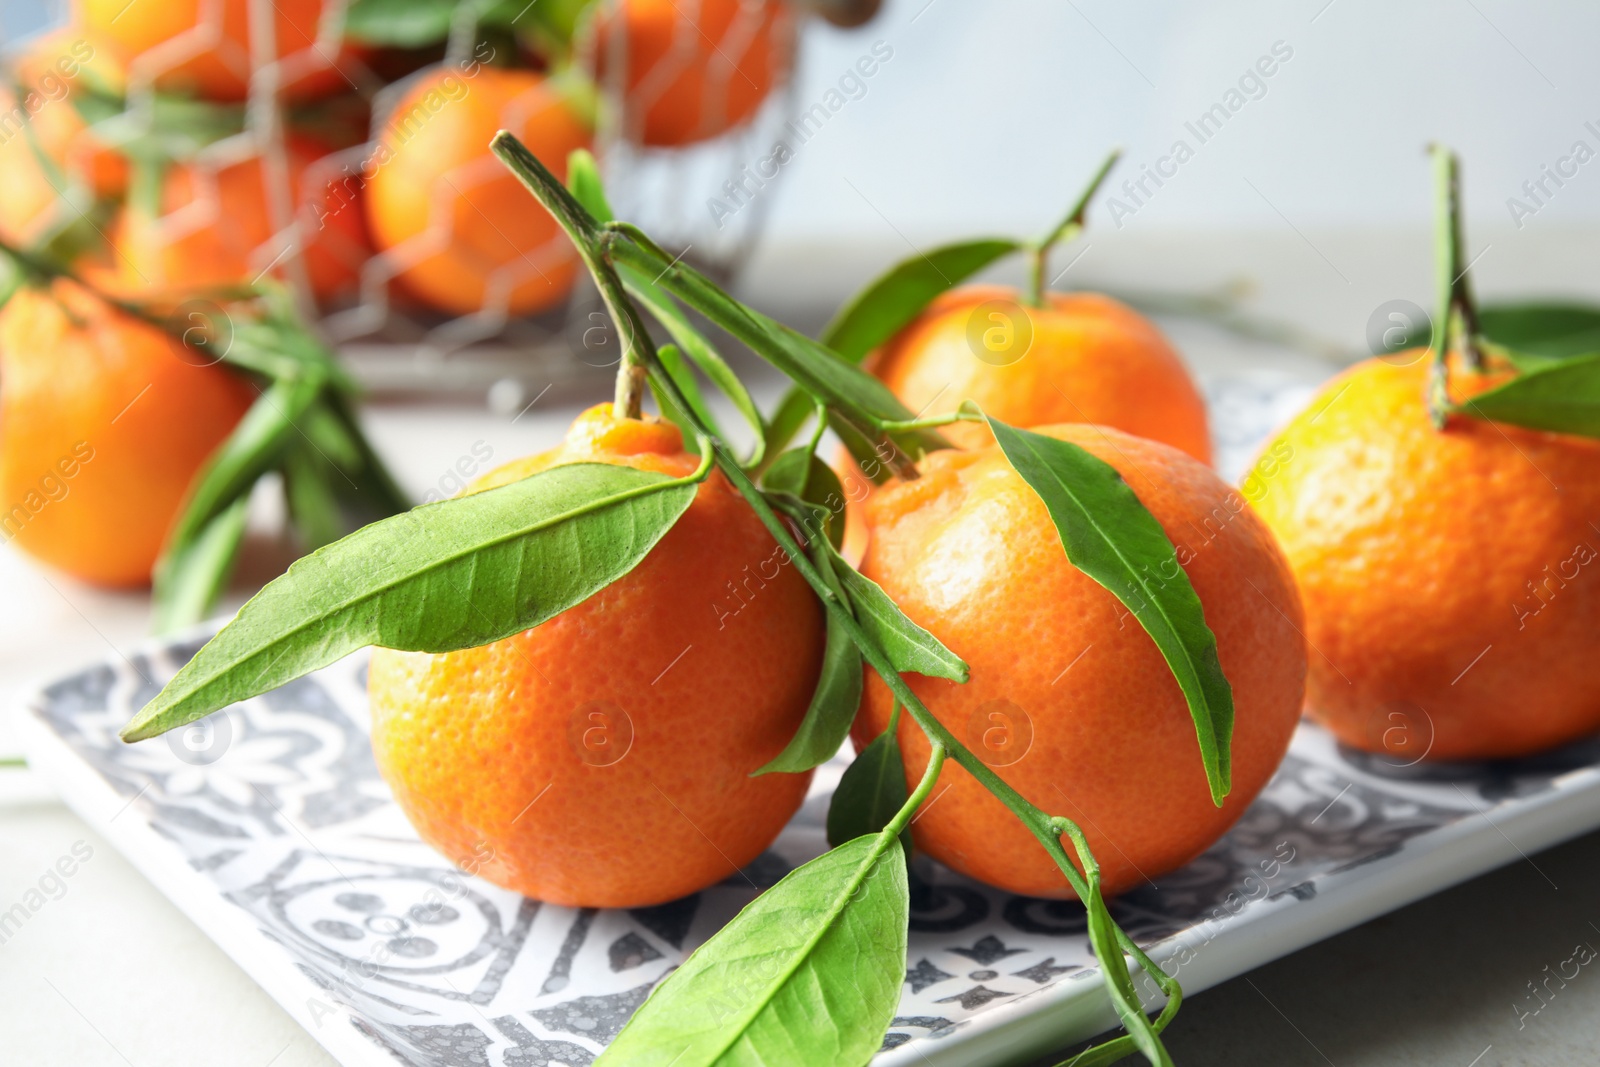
(459, 227)
(969, 551)
(1092, 359)
(104, 426)
(492, 753)
(1451, 577)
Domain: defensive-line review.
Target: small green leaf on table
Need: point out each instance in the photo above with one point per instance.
(456, 574)
(1110, 536)
(808, 972)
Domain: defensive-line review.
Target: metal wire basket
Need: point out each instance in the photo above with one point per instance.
(272, 172)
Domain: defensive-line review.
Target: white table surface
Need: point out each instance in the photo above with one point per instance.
(112, 974)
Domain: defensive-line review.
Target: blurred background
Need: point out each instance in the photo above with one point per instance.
(1312, 198)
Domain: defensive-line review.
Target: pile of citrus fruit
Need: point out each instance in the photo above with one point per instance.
(344, 147)
(1070, 654)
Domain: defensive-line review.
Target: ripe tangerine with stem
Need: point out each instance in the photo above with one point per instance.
(1451, 576)
(604, 758)
(217, 227)
(1081, 357)
(1069, 699)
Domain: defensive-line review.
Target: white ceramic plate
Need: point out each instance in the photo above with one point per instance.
(272, 830)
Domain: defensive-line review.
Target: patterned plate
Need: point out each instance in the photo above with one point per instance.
(269, 826)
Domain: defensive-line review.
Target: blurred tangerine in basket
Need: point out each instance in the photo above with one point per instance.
(204, 47)
(227, 225)
(694, 70)
(52, 166)
(455, 225)
(104, 422)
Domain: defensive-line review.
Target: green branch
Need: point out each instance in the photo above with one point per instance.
(1109, 941)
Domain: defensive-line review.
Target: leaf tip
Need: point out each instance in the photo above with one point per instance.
(138, 729)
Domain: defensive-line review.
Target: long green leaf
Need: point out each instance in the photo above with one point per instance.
(249, 452)
(1110, 536)
(1119, 983)
(889, 303)
(313, 505)
(194, 578)
(1562, 396)
(909, 646)
(808, 972)
(445, 576)
(838, 694)
(871, 791)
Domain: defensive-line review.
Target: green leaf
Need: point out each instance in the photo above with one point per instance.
(899, 295)
(1545, 331)
(583, 181)
(1562, 396)
(787, 418)
(1119, 983)
(374, 489)
(455, 574)
(871, 791)
(252, 449)
(672, 362)
(399, 23)
(195, 578)
(852, 394)
(586, 186)
(908, 646)
(837, 696)
(313, 505)
(1110, 536)
(809, 972)
(800, 474)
